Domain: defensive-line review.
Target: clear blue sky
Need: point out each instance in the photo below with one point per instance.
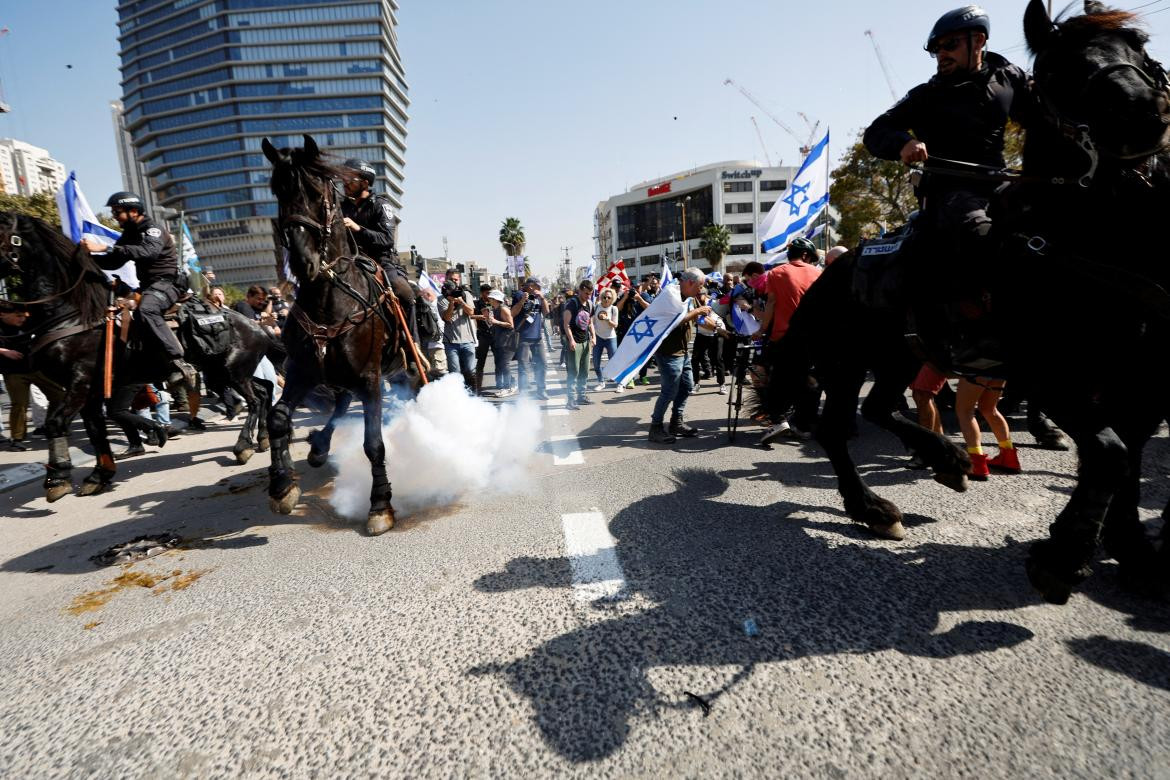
(539, 109)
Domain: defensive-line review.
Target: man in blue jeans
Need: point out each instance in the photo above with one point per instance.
(529, 310)
(674, 364)
(456, 306)
(577, 322)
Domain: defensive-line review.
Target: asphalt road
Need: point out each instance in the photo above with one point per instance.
(628, 610)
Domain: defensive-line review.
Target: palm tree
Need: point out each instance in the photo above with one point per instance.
(714, 243)
(512, 236)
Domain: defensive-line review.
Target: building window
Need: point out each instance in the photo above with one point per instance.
(655, 222)
(741, 249)
(737, 186)
(776, 184)
(746, 227)
(766, 206)
(737, 208)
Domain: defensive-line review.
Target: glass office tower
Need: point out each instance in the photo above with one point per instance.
(205, 81)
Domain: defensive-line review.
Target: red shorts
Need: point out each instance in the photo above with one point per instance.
(929, 380)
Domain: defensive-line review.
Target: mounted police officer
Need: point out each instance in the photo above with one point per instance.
(959, 115)
(150, 247)
(370, 217)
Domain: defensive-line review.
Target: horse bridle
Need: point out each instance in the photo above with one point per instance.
(1079, 132)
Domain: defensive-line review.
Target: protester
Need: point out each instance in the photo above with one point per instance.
(708, 338)
(605, 328)
(983, 394)
(257, 307)
(674, 365)
(24, 386)
(833, 254)
(530, 310)
(279, 307)
(645, 294)
(502, 332)
(577, 323)
(924, 389)
(456, 307)
(483, 334)
(217, 297)
(430, 332)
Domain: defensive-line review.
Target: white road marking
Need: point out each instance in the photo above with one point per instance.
(22, 474)
(555, 411)
(597, 573)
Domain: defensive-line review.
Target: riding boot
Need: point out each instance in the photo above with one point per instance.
(183, 373)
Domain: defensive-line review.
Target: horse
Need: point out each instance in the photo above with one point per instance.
(1074, 330)
(343, 317)
(68, 296)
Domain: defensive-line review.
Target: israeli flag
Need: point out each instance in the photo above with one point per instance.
(187, 255)
(425, 282)
(743, 321)
(78, 221)
(645, 334)
(716, 277)
(808, 194)
(667, 276)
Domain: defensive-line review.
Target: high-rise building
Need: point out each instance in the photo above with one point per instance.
(133, 172)
(27, 170)
(205, 81)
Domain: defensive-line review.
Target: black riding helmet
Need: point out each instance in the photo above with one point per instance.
(363, 169)
(969, 17)
(801, 247)
(122, 201)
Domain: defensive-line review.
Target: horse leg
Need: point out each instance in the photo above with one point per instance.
(950, 463)
(103, 469)
(1124, 536)
(861, 504)
(1057, 564)
(263, 393)
(245, 448)
(320, 441)
(381, 516)
(283, 493)
(58, 477)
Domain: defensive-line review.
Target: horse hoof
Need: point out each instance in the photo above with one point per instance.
(57, 492)
(894, 531)
(262, 445)
(1051, 588)
(91, 488)
(956, 482)
(380, 522)
(285, 504)
(243, 456)
(318, 459)
(1054, 440)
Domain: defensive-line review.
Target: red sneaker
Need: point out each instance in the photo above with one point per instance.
(1006, 460)
(979, 470)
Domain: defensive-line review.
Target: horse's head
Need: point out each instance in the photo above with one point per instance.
(310, 206)
(1093, 71)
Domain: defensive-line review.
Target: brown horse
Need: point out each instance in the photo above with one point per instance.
(341, 320)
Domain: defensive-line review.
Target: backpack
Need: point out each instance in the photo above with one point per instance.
(205, 329)
(430, 329)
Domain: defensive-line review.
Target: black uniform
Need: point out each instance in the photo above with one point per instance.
(959, 117)
(152, 250)
(376, 238)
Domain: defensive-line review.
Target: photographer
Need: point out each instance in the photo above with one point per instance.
(456, 308)
(483, 334)
(529, 311)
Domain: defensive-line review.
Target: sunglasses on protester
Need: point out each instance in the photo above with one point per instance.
(947, 45)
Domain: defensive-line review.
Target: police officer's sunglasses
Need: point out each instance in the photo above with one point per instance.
(946, 44)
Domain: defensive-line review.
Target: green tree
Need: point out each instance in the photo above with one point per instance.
(231, 294)
(714, 243)
(512, 236)
(870, 194)
(42, 206)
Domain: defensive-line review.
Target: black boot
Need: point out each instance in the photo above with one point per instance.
(658, 435)
(678, 427)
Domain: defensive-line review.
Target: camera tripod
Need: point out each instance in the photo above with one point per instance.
(745, 350)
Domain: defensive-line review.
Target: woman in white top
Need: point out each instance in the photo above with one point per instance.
(605, 319)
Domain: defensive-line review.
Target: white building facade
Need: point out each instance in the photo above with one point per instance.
(27, 170)
(645, 224)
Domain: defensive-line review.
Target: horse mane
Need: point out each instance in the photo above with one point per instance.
(300, 178)
(90, 299)
(1114, 20)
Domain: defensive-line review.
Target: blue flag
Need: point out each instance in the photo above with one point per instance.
(78, 221)
(667, 276)
(645, 334)
(808, 194)
(743, 321)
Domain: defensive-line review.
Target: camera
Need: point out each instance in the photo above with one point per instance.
(452, 290)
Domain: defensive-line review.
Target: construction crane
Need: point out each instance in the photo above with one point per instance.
(761, 137)
(805, 146)
(882, 61)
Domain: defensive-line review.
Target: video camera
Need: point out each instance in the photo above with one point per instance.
(452, 290)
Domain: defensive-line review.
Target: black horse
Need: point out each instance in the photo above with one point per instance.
(343, 318)
(68, 295)
(1084, 336)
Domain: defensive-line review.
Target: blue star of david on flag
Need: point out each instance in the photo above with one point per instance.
(643, 329)
(807, 197)
(797, 190)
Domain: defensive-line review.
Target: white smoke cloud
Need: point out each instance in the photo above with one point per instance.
(440, 447)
